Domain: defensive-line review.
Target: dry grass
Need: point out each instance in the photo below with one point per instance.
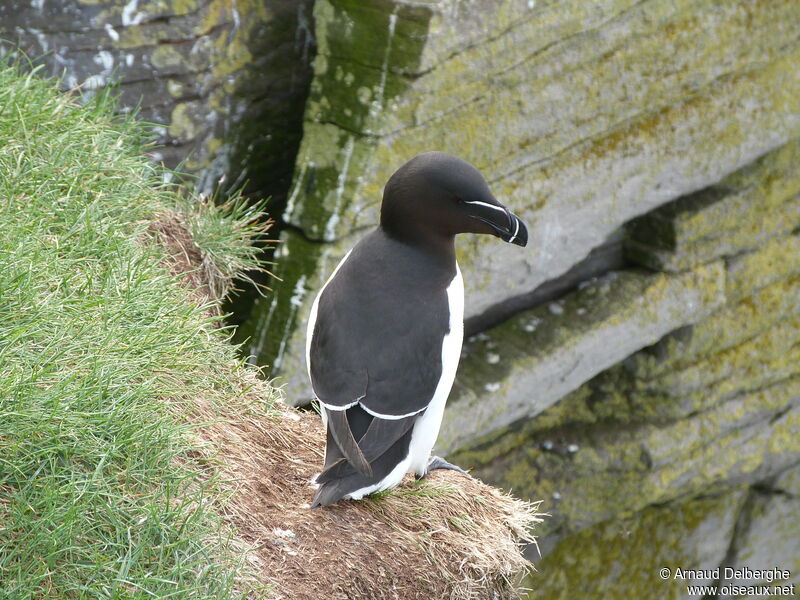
(446, 537)
(184, 257)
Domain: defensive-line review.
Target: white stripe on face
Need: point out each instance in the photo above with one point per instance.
(486, 204)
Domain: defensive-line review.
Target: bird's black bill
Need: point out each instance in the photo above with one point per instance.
(519, 232)
(508, 227)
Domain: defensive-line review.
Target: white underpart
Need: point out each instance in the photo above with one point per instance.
(426, 429)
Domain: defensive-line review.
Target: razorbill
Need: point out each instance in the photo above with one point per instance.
(385, 331)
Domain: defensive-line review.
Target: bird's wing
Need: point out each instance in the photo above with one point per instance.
(380, 436)
(339, 428)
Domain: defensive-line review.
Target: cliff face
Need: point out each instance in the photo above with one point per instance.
(225, 81)
(582, 119)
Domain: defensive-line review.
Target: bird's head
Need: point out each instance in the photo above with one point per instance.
(438, 194)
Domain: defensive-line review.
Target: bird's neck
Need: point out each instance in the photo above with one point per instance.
(438, 248)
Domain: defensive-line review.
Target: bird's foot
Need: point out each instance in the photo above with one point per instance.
(437, 462)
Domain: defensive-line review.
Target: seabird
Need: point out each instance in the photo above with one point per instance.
(385, 331)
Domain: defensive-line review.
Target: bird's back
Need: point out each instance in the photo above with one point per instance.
(384, 312)
(375, 358)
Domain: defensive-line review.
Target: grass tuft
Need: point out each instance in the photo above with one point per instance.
(101, 492)
(230, 235)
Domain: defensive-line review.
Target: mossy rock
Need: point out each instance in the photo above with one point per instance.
(733, 325)
(765, 225)
(776, 259)
(623, 559)
(753, 364)
(607, 450)
(519, 369)
(199, 69)
(768, 533)
(754, 205)
(631, 137)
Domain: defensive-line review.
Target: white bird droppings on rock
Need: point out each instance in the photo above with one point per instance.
(532, 324)
(112, 33)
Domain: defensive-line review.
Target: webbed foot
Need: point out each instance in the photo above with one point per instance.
(437, 462)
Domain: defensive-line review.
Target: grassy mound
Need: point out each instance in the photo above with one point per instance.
(99, 495)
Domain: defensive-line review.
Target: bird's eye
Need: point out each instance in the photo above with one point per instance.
(459, 200)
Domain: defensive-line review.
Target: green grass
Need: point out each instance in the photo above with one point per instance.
(232, 237)
(99, 495)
